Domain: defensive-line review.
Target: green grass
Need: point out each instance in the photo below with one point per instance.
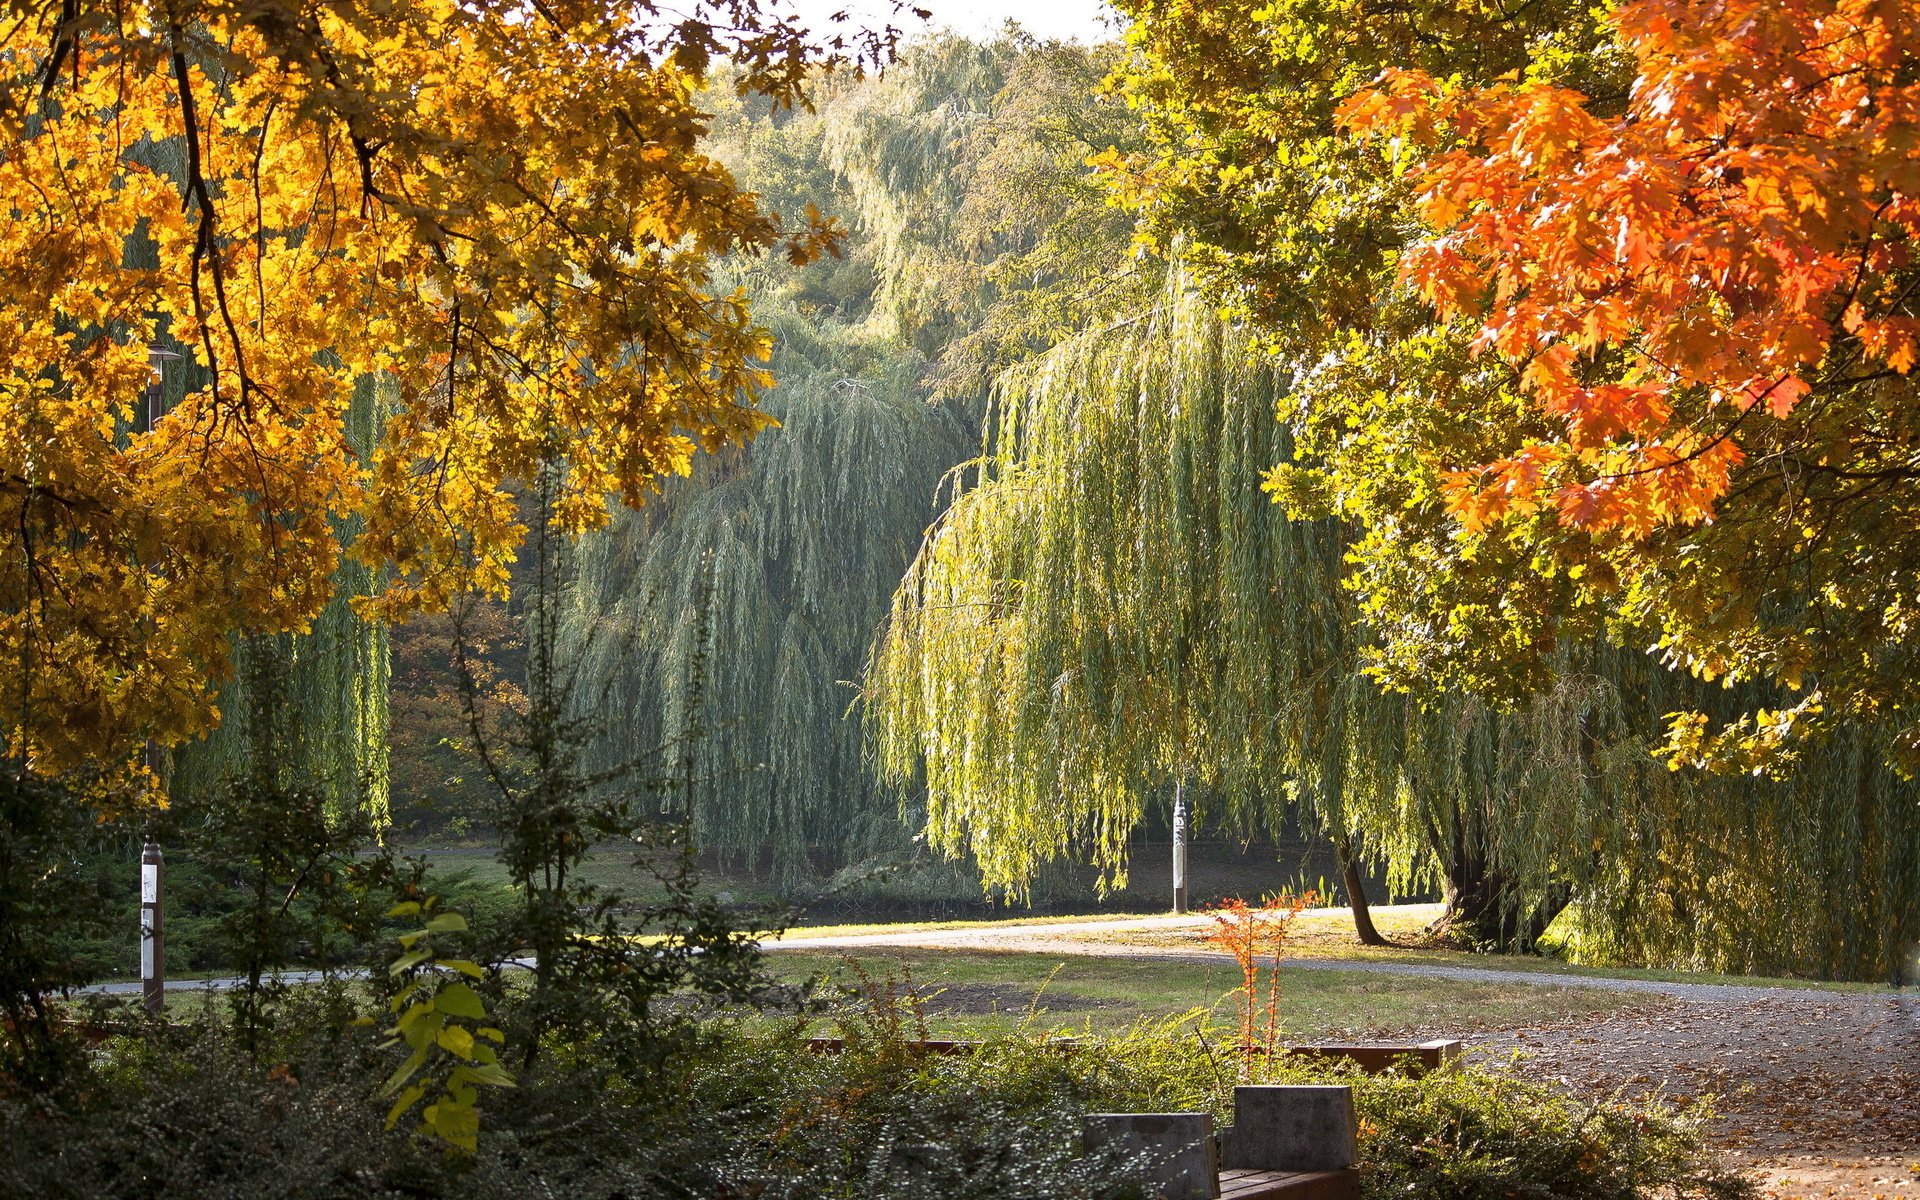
(1328, 934)
(969, 990)
(801, 933)
(607, 867)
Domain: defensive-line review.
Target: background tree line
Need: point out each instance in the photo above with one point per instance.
(1078, 380)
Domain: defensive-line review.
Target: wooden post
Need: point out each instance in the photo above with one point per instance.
(1179, 847)
(153, 962)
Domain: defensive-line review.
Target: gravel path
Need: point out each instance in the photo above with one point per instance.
(1070, 938)
(1818, 1098)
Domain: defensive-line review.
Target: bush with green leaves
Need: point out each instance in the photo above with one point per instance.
(1463, 1133)
(442, 1022)
(52, 903)
(751, 1110)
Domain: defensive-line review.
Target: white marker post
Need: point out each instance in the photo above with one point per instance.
(1179, 847)
(153, 963)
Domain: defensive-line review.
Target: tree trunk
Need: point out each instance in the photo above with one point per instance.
(1484, 909)
(1357, 894)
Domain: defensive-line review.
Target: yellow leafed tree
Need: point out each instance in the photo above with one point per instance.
(498, 210)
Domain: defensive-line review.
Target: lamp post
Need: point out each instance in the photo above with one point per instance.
(153, 962)
(1179, 847)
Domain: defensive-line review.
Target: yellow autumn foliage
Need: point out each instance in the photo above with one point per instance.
(500, 210)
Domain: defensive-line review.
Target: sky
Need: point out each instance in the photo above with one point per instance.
(1078, 20)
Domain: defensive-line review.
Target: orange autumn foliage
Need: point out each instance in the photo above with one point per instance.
(1252, 932)
(1723, 247)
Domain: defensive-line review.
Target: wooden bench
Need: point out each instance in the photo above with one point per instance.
(1378, 1058)
(1289, 1185)
(932, 1046)
(1372, 1058)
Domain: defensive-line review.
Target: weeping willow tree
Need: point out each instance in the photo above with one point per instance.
(733, 611)
(307, 709)
(728, 615)
(1113, 604)
(1110, 602)
(898, 147)
(322, 721)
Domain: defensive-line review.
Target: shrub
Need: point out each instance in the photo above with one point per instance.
(750, 1111)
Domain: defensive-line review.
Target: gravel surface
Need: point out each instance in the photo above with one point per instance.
(1818, 1093)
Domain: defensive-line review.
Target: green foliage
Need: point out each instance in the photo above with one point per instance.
(769, 570)
(50, 898)
(185, 1112)
(1112, 604)
(308, 709)
(1115, 602)
(604, 965)
(259, 881)
(975, 233)
(1296, 229)
(439, 1018)
(270, 872)
(1486, 1133)
(1464, 1132)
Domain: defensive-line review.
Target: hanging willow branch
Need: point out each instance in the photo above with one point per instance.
(1110, 600)
(332, 682)
(798, 542)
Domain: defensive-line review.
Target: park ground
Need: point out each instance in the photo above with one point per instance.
(1816, 1087)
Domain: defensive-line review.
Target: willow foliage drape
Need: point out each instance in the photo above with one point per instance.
(1110, 602)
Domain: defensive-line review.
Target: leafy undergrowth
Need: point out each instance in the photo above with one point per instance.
(754, 1112)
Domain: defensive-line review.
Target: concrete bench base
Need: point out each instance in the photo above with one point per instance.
(1290, 1185)
(1185, 1156)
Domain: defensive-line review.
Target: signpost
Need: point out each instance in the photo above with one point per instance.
(153, 963)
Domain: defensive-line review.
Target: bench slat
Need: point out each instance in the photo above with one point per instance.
(1290, 1185)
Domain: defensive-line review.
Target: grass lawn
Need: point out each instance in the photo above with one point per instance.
(1328, 933)
(1322, 933)
(968, 990)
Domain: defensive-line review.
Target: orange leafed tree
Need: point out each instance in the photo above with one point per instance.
(1251, 932)
(1668, 275)
(496, 216)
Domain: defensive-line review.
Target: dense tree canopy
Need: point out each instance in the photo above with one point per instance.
(503, 214)
(746, 596)
(1316, 237)
(1603, 336)
(1585, 332)
(1706, 293)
